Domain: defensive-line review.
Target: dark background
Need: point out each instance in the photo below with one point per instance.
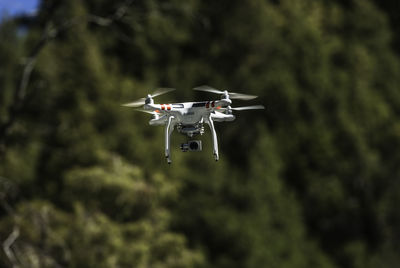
(312, 181)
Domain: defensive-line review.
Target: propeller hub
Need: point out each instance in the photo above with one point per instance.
(149, 100)
(228, 110)
(225, 95)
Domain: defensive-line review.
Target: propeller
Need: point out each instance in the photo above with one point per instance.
(231, 95)
(252, 107)
(136, 103)
(161, 91)
(142, 101)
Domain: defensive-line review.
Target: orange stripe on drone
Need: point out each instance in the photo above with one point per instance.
(166, 107)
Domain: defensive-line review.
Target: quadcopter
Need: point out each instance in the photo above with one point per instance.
(189, 117)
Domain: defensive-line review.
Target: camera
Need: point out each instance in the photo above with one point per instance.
(191, 146)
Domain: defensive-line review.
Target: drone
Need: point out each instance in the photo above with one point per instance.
(189, 117)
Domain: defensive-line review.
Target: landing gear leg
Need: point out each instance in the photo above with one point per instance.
(214, 137)
(168, 130)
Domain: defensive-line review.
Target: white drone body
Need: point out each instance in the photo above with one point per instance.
(188, 117)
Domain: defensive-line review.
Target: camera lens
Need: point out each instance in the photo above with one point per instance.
(194, 146)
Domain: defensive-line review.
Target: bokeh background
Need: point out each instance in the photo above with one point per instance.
(312, 181)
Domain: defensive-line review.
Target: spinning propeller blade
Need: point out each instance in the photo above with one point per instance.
(231, 95)
(160, 91)
(252, 107)
(135, 103)
(142, 101)
(208, 89)
(240, 96)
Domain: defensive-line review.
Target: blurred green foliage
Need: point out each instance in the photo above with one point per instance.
(313, 181)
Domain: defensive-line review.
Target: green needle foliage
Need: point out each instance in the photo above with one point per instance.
(312, 181)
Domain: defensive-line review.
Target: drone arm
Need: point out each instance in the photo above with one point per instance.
(214, 137)
(168, 130)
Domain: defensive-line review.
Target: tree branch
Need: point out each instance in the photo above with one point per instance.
(7, 244)
(5, 190)
(49, 34)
